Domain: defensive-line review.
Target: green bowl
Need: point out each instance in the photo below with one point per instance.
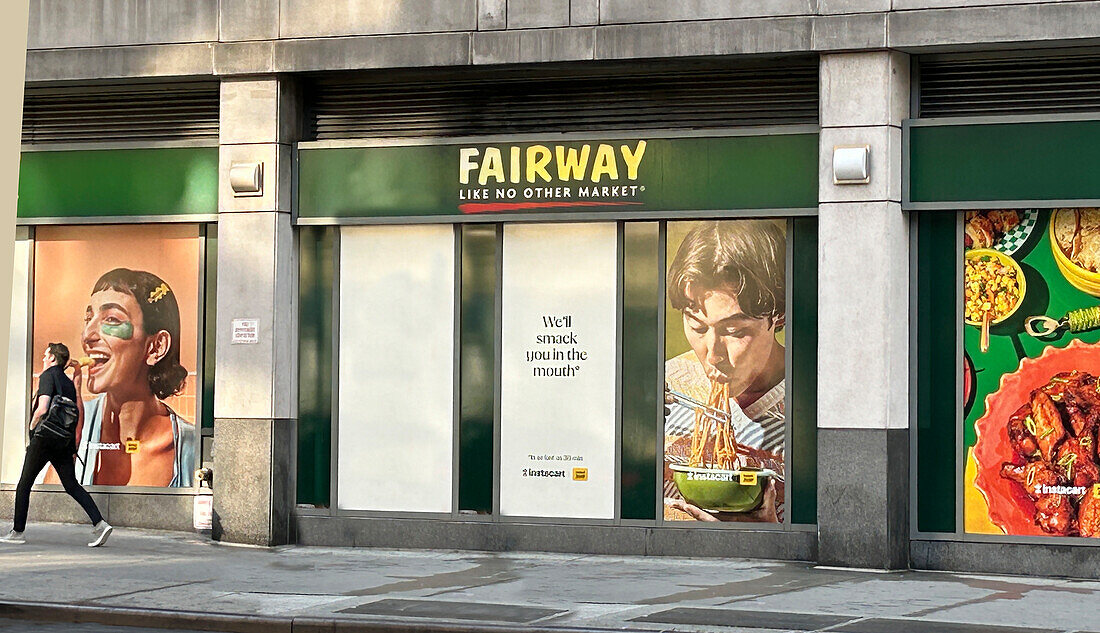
(720, 490)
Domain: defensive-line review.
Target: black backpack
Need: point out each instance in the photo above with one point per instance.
(59, 423)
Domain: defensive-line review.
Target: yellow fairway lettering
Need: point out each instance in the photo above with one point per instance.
(605, 163)
(492, 166)
(632, 159)
(466, 163)
(513, 167)
(572, 165)
(538, 157)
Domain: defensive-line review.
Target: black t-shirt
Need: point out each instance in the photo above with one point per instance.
(53, 381)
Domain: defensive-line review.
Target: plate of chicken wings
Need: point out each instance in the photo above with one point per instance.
(1037, 463)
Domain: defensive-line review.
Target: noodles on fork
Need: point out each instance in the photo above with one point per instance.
(707, 429)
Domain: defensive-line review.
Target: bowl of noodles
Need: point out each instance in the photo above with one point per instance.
(722, 490)
(719, 473)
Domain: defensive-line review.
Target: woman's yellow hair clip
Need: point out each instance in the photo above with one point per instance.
(159, 293)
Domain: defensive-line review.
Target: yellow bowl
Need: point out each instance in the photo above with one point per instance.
(975, 253)
(1080, 278)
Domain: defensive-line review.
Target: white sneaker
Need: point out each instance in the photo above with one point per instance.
(13, 538)
(101, 531)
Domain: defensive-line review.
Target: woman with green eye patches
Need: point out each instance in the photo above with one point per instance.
(129, 435)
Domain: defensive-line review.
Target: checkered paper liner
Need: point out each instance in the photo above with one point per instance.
(1012, 241)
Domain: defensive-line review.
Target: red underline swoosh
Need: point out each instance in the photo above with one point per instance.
(496, 207)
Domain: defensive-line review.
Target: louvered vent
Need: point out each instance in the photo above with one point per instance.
(145, 112)
(1062, 83)
(510, 102)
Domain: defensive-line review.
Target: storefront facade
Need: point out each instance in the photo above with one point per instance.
(590, 278)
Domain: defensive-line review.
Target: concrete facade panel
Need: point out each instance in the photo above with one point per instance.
(870, 263)
(249, 111)
(863, 491)
(246, 270)
(534, 14)
(402, 51)
(607, 540)
(827, 7)
(584, 12)
(152, 511)
(53, 506)
(1056, 22)
(249, 20)
(537, 45)
(85, 64)
(276, 160)
(63, 23)
(912, 5)
(243, 490)
(641, 11)
(303, 18)
(732, 37)
(492, 15)
(885, 162)
(870, 88)
(244, 58)
(853, 31)
(1039, 559)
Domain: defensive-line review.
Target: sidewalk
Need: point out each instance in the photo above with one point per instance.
(164, 579)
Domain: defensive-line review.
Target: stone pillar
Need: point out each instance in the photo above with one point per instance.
(863, 354)
(255, 403)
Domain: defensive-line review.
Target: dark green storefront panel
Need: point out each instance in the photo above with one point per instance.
(118, 182)
(937, 369)
(802, 317)
(1004, 161)
(640, 370)
(477, 367)
(703, 173)
(316, 274)
(210, 321)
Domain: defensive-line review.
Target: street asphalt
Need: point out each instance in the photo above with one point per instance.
(182, 582)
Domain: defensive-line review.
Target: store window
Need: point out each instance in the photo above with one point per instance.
(620, 331)
(1007, 329)
(128, 302)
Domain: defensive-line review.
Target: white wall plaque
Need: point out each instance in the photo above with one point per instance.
(246, 331)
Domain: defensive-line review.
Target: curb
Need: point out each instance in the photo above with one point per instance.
(245, 623)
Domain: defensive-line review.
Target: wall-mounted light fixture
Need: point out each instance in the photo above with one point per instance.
(247, 179)
(851, 164)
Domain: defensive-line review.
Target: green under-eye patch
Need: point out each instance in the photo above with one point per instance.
(123, 330)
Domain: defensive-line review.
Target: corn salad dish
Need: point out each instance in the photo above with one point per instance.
(991, 286)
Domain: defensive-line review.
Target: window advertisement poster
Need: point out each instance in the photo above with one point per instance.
(1030, 394)
(558, 370)
(125, 301)
(396, 409)
(725, 390)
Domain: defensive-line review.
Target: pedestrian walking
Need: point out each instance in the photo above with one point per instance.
(53, 441)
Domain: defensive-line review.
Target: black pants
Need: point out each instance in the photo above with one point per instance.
(39, 453)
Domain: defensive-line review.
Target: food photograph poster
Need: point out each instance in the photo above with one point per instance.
(124, 300)
(1031, 398)
(725, 388)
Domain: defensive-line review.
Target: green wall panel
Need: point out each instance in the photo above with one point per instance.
(938, 367)
(1004, 161)
(316, 263)
(802, 326)
(700, 173)
(118, 182)
(641, 369)
(477, 366)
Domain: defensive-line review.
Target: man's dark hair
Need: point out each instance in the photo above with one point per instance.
(745, 257)
(60, 354)
(159, 311)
